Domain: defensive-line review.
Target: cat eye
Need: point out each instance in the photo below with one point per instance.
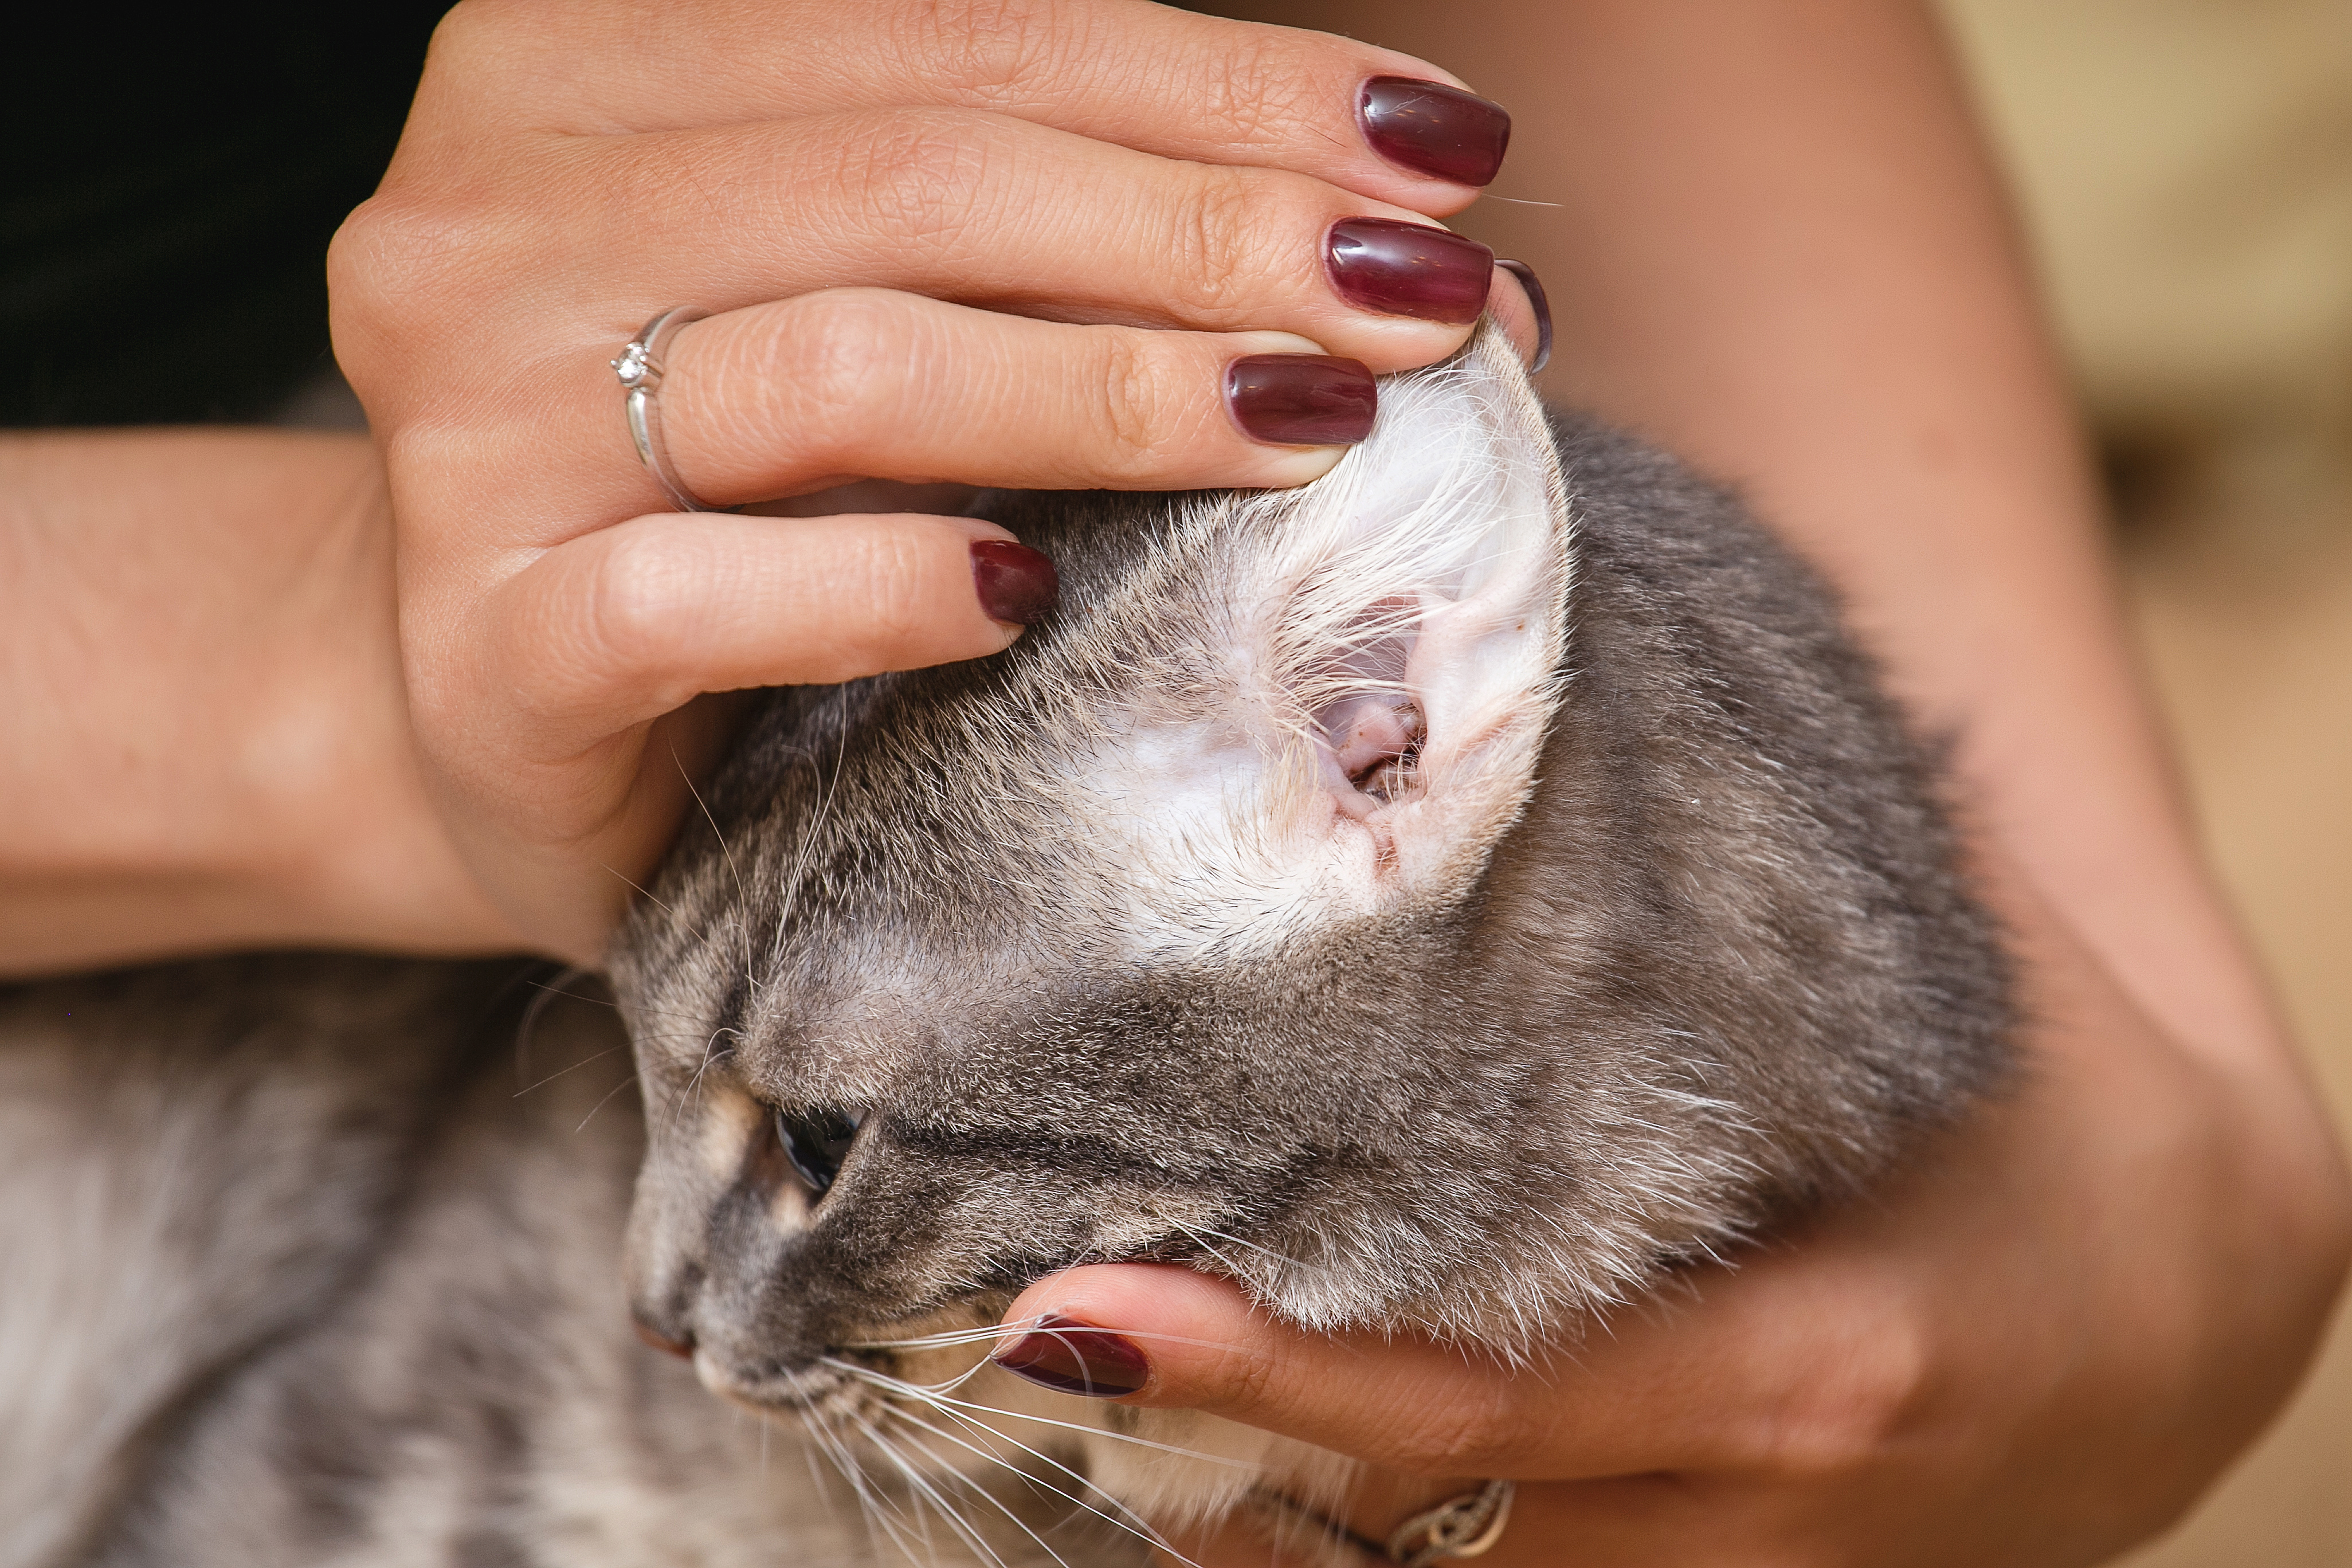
(816, 1142)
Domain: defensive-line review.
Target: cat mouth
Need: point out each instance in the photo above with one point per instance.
(810, 1391)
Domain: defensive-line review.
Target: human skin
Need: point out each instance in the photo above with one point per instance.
(552, 630)
(1007, 244)
(1780, 252)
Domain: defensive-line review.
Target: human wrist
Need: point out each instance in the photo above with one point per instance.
(211, 745)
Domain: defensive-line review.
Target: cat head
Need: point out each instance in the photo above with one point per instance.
(1144, 939)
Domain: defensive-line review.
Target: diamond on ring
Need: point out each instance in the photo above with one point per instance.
(639, 367)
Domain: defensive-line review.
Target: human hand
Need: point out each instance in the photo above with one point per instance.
(2034, 1348)
(1018, 247)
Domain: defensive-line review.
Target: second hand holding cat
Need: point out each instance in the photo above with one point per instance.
(1857, 1386)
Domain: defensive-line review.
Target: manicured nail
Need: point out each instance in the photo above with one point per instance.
(1017, 585)
(1534, 286)
(1301, 400)
(1434, 130)
(1409, 269)
(1070, 1357)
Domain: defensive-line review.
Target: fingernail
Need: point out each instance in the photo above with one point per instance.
(1409, 269)
(1070, 1357)
(1534, 286)
(1433, 129)
(1301, 400)
(1015, 584)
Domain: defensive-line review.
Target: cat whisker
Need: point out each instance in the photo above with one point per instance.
(742, 898)
(809, 832)
(1253, 1247)
(1141, 1528)
(575, 1067)
(923, 1489)
(899, 1385)
(870, 1506)
(947, 1337)
(628, 1082)
(641, 892)
(538, 1004)
(947, 1471)
(710, 1057)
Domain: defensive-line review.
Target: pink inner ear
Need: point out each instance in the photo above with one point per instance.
(1372, 735)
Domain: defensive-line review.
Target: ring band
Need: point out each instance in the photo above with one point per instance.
(1461, 1527)
(640, 369)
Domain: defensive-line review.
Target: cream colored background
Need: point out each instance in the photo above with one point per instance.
(2186, 170)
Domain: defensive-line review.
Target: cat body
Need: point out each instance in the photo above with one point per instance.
(1442, 899)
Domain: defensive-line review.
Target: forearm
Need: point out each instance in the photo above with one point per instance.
(207, 742)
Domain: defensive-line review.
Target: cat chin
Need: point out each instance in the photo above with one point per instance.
(821, 1391)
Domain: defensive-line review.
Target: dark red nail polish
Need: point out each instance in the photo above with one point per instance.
(1409, 269)
(1534, 286)
(1015, 584)
(1071, 1357)
(682, 1348)
(1433, 129)
(1301, 400)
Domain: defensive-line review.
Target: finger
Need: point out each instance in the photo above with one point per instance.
(1201, 88)
(1518, 305)
(623, 625)
(993, 211)
(774, 399)
(1780, 1376)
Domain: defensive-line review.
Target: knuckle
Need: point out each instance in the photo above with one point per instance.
(1242, 1379)
(1261, 96)
(1849, 1422)
(1467, 1434)
(838, 356)
(626, 619)
(1223, 220)
(987, 49)
(894, 604)
(389, 233)
(400, 259)
(472, 33)
(916, 176)
(1142, 397)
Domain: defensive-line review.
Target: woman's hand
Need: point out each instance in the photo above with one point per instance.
(1010, 244)
(2033, 1350)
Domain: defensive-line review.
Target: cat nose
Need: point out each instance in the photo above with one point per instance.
(682, 1348)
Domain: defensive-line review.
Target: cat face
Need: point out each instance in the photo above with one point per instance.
(1146, 939)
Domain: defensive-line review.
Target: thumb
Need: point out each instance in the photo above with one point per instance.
(1162, 1335)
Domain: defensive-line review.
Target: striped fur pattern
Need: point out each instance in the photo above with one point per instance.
(1443, 898)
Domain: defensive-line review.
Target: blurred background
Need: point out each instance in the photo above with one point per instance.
(2186, 170)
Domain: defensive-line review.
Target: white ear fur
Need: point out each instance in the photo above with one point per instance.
(1394, 638)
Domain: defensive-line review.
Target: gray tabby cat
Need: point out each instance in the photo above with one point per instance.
(1443, 898)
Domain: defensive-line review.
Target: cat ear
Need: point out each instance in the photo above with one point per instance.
(1394, 634)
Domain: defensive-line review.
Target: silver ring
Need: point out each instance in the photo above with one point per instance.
(1458, 1527)
(640, 369)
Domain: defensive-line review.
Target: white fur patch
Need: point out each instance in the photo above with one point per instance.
(1441, 548)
